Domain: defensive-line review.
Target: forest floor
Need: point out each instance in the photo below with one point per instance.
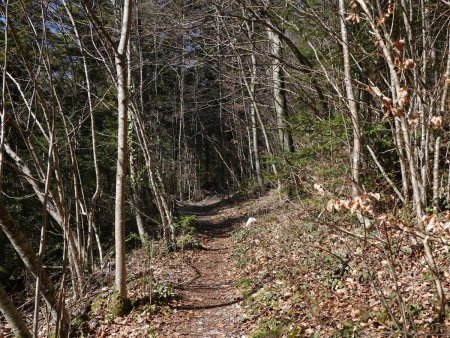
(208, 304)
(298, 271)
(196, 285)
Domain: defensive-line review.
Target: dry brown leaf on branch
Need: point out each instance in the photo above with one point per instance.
(391, 7)
(412, 122)
(436, 122)
(330, 205)
(386, 115)
(399, 112)
(358, 204)
(400, 45)
(409, 64)
(429, 221)
(354, 206)
(382, 20)
(353, 17)
(387, 102)
(403, 100)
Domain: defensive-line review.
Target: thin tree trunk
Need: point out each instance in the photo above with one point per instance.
(351, 102)
(55, 209)
(437, 145)
(122, 148)
(43, 237)
(24, 250)
(396, 90)
(156, 182)
(410, 158)
(356, 151)
(385, 175)
(12, 316)
(3, 112)
(253, 101)
(257, 113)
(135, 191)
(253, 112)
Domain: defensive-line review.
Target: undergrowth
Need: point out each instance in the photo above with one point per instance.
(301, 275)
(185, 228)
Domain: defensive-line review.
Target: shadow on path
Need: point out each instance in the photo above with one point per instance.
(206, 224)
(209, 302)
(209, 206)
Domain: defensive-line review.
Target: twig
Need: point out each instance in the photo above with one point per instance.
(383, 172)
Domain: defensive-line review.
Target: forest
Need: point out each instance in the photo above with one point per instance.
(211, 168)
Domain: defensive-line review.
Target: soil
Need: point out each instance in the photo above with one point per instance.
(205, 279)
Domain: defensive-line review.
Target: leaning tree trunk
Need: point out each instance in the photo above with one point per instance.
(92, 230)
(12, 316)
(134, 173)
(24, 250)
(162, 200)
(54, 207)
(252, 97)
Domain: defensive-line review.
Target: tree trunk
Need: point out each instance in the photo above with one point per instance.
(42, 243)
(122, 148)
(136, 191)
(437, 145)
(157, 185)
(253, 113)
(12, 316)
(54, 208)
(356, 151)
(92, 230)
(3, 112)
(279, 92)
(23, 248)
(351, 102)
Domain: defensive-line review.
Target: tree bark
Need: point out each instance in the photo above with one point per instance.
(254, 127)
(24, 250)
(356, 151)
(122, 148)
(3, 112)
(136, 191)
(279, 92)
(351, 102)
(12, 316)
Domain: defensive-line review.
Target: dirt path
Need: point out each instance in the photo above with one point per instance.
(209, 303)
